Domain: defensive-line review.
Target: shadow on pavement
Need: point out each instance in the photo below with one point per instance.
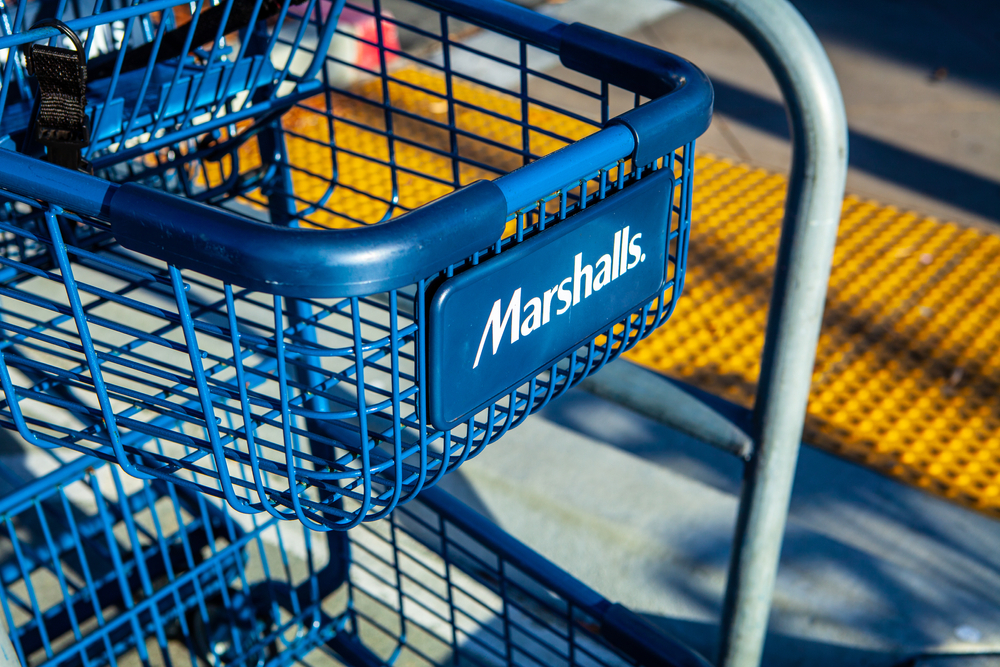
(963, 37)
(879, 158)
(780, 649)
(865, 561)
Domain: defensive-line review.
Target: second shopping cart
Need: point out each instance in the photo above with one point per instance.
(100, 569)
(320, 283)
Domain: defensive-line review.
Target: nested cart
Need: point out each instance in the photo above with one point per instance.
(429, 267)
(99, 568)
(257, 275)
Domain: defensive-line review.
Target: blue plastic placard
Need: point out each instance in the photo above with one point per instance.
(498, 324)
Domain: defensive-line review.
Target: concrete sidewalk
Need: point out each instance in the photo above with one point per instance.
(921, 84)
(872, 572)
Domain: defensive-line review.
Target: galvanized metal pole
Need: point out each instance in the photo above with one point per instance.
(805, 252)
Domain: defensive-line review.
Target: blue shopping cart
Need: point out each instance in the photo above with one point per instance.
(322, 282)
(97, 568)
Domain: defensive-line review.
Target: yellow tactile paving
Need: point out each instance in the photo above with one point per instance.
(364, 182)
(908, 364)
(908, 369)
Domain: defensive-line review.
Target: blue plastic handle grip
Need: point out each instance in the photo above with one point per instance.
(415, 246)
(681, 94)
(71, 190)
(303, 262)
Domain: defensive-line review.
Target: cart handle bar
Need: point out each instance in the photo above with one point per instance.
(367, 260)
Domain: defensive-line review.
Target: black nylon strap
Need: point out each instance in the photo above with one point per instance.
(60, 117)
(62, 91)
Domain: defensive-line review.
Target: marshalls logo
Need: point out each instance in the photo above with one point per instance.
(585, 281)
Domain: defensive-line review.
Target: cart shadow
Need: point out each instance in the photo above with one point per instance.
(927, 34)
(781, 649)
(863, 557)
(12, 466)
(934, 178)
(943, 39)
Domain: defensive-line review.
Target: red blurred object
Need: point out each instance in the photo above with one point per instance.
(365, 29)
(363, 50)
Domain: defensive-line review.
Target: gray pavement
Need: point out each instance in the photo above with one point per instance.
(921, 84)
(872, 572)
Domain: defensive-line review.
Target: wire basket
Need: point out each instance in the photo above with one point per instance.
(93, 562)
(168, 92)
(165, 71)
(319, 314)
(98, 568)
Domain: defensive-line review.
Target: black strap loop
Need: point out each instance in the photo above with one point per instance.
(61, 123)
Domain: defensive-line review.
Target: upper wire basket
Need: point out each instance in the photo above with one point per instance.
(316, 299)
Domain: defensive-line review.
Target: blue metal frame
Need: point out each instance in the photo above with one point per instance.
(816, 116)
(154, 572)
(126, 562)
(305, 368)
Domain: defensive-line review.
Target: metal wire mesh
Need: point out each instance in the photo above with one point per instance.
(166, 70)
(98, 568)
(93, 563)
(308, 409)
(427, 591)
